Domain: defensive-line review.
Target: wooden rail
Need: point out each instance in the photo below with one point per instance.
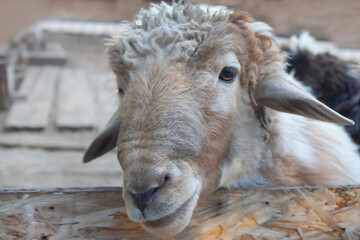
(99, 213)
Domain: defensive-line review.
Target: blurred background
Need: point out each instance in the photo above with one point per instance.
(334, 20)
(56, 91)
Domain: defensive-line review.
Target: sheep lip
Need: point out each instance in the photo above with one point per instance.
(161, 222)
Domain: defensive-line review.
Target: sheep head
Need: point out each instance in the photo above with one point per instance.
(188, 79)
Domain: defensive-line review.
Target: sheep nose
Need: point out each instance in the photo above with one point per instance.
(141, 200)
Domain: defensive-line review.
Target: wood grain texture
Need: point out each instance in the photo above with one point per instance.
(99, 213)
(76, 107)
(34, 113)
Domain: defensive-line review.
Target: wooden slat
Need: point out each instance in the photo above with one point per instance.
(34, 113)
(28, 83)
(54, 54)
(41, 58)
(99, 213)
(41, 141)
(4, 93)
(28, 168)
(76, 107)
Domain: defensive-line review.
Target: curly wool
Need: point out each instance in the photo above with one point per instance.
(171, 32)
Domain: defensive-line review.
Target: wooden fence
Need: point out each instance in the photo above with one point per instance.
(99, 213)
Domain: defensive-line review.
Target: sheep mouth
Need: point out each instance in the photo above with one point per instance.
(168, 220)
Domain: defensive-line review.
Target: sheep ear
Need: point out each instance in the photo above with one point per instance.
(286, 96)
(105, 141)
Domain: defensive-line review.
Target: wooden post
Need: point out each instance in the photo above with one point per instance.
(4, 93)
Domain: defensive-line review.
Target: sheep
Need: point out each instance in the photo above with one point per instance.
(206, 103)
(332, 80)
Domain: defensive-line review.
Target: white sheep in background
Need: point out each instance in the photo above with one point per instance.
(206, 103)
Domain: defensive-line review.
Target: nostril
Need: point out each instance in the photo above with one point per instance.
(143, 199)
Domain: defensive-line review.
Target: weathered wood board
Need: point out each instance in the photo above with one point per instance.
(53, 54)
(29, 168)
(34, 113)
(28, 83)
(75, 103)
(34, 140)
(89, 28)
(99, 213)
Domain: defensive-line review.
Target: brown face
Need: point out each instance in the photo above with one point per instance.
(172, 138)
(175, 124)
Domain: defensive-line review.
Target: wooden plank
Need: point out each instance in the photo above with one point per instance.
(4, 93)
(52, 142)
(30, 168)
(54, 55)
(76, 107)
(28, 83)
(81, 27)
(44, 57)
(34, 113)
(99, 213)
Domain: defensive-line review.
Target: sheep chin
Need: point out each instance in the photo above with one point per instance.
(174, 223)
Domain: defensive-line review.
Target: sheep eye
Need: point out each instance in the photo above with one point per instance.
(228, 74)
(120, 91)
